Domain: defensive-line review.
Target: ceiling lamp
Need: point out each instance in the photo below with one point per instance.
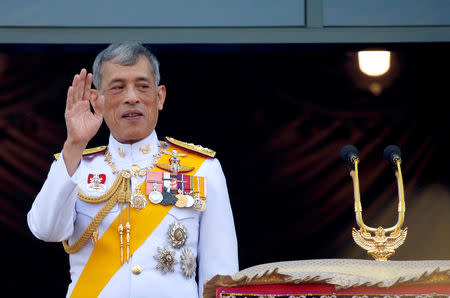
(374, 63)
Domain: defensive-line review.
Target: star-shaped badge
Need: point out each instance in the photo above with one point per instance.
(188, 264)
(166, 260)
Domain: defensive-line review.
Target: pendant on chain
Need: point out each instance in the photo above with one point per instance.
(138, 200)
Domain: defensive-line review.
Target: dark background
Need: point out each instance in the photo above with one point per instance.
(278, 116)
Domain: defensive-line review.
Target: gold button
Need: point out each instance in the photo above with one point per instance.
(136, 269)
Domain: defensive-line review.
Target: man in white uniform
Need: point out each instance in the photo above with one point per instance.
(158, 257)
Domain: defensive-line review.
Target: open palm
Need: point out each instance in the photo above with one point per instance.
(82, 124)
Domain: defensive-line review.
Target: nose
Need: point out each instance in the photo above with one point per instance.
(131, 96)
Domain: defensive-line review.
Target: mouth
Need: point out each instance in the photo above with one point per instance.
(132, 115)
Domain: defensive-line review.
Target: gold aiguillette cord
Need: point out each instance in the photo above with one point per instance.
(118, 193)
(124, 197)
(128, 229)
(120, 230)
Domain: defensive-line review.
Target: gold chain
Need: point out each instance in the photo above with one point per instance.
(127, 174)
(135, 169)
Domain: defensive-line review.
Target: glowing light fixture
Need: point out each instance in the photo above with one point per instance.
(374, 63)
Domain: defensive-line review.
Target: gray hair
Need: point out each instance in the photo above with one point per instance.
(124, 53)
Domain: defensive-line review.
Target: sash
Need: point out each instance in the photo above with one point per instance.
(104, 261)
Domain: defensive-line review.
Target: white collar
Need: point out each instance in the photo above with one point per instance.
(133, 152)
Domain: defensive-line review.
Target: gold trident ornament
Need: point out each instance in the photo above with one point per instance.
(380, 246)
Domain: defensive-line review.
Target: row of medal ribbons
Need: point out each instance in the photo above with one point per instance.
(160, 184)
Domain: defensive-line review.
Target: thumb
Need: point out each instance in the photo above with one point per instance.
(98, 103)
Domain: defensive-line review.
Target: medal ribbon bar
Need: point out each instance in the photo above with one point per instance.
(187, 183)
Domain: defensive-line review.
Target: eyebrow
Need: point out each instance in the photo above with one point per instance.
(119, 80)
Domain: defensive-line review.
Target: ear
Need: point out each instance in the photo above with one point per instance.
(161, 96)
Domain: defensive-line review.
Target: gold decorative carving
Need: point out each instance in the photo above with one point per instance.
(380, 246)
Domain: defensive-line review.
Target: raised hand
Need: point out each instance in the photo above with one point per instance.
(82, 124)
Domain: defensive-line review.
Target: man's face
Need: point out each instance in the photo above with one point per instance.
(132, 101)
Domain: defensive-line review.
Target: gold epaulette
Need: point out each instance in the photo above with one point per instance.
(87, 152)
(189, 146)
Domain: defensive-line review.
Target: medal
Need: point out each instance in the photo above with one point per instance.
(199, 204)
(138, 200)
(199, 201)
(177, 235)
(186, 188)
(154, 181)
(188, 264)
(155, 196)
(190, 201)
(182, 201)
(166, 260)
(168, 199)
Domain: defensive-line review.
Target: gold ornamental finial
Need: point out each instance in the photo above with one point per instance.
(380, 246)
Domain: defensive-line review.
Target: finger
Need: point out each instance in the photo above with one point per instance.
(81, 83)
(87, 87)
(75, 85)
(69, 102)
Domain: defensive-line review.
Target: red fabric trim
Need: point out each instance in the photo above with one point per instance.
(326, 289)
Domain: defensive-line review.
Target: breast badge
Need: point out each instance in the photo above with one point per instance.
(96, 183)
(188, 263)
(177, 235)
(166, 260)
(175, 167)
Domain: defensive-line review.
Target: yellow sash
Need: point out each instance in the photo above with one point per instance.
(104, 260)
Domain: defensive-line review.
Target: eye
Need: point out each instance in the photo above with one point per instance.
(117, 87)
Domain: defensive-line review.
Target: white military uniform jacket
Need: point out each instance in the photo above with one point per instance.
(57, 215)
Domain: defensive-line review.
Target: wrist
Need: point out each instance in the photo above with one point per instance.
(72, 153)
(74, 146)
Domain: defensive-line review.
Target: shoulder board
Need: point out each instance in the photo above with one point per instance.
(87, 152)
(189, 146)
